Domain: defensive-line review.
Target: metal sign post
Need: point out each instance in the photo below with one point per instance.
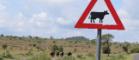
(98, 46)
(117, 26)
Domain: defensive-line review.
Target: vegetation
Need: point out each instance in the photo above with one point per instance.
(106, 40)
(126, 47)
(77, 38)
(71, 48)
(135, 50)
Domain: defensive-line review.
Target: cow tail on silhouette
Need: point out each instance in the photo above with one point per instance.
(100, 15)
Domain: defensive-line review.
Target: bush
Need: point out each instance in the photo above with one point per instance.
(30, 52)
(55, 48)
(7, 54)
(40, 57)
(1, 58)
(106, 50)
(125, 48)
(117, 56)
(69, 58)
(135, 50)
(60, 49)
(81, 57)
(90, 55)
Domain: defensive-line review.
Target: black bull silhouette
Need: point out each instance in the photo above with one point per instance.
(99, 15)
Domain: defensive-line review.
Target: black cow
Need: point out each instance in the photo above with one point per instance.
(52, 54)
(99, 15)
(61, 54)
(58, 53)
(69, 53)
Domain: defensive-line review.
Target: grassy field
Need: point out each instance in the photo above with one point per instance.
(24, 49)
(46, 56)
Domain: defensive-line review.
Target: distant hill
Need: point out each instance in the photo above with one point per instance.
(11, 37)
(76, 38)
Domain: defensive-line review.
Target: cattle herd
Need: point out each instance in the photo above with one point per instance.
(53, 54)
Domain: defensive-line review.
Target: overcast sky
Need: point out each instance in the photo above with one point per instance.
(57, 18)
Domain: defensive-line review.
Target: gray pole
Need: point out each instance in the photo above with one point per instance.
(98, 47)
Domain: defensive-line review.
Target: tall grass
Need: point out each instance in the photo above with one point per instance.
(43, 56)
(69, 58)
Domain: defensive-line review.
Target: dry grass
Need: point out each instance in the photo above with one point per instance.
(82, 50)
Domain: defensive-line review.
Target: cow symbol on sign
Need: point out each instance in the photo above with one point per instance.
(100, 15)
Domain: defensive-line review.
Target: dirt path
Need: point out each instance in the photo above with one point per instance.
(136, 56)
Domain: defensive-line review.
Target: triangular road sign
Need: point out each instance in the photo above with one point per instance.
(81, 24)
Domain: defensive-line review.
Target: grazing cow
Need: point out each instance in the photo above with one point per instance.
(99, 15)
(69, 54)
(52, 54)
(61, 54)
(58, 53)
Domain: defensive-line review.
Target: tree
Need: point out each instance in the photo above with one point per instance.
(6, 53)
(61, 49)
(51, 38)
(1, 35)
(125, 47)
(55, 48)
(106, 40)
(5, 46)
(30, 37)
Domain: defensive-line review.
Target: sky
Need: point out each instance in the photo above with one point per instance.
(57, 18)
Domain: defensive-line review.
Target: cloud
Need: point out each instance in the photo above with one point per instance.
(129, 17)
(58, 17)
(2, 7)
(53, 1)
(130, 14)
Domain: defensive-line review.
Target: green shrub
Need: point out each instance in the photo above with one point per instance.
(1, 58)
(117, 56)
(81, 57)
(40, 57)
(121, 57)
(30, 52)
(106, 50)
(135, 50)
(60, 49)
(55, 48)
(7, 54)
(69, 58)
(90, 55)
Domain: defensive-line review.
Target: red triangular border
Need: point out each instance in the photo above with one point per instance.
(81, 24)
